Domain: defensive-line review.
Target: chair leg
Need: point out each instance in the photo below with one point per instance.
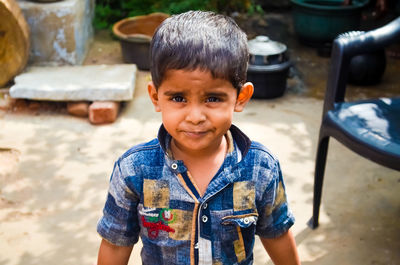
(322, 152)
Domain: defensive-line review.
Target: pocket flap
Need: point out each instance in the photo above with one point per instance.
(244, 220)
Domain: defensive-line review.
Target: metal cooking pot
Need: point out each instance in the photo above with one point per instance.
(268, 67)
(264, 51)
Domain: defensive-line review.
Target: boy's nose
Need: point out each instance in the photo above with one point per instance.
(195, 115)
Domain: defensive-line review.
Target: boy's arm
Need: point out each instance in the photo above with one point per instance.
(282, 250)
(110, 254)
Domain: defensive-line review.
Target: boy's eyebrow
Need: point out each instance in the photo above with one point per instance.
(173, 93)
(216, 94)
(207, 94)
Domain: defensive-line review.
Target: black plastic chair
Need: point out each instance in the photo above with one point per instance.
(370, 128)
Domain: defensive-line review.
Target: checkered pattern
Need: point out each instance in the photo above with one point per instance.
(152, 196)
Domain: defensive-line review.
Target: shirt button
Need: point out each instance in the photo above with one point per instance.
(204, 218)
(205, 205)
(196, 246)
(246, 220)
(174, 166)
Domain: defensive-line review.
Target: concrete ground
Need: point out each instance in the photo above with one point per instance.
(54, 172)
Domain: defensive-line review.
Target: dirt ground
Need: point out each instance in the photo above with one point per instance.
(54, 168)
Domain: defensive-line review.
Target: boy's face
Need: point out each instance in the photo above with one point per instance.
(197, 109)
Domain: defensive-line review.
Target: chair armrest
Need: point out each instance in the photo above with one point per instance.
(345, 47)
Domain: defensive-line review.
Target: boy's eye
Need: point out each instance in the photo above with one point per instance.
(178, 99)
(213, 99)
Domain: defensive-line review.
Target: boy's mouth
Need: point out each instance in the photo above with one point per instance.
(195, 134)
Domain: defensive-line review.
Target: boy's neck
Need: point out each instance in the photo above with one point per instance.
(202, 165)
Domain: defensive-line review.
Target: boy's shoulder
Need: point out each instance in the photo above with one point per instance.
(144, 152)
(259, 149)
(250, 149)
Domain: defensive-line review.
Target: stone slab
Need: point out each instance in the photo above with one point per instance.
(75, 83)
(60, 31)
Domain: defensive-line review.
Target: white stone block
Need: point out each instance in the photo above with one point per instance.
(60, 31)
(75, 83)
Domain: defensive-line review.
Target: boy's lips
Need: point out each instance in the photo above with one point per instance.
(195, 134)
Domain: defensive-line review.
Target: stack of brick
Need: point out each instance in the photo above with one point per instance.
(61, 32)
(93, 91)
(99, 112)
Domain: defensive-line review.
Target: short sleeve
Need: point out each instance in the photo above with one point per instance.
(275, 217)
(119, 224)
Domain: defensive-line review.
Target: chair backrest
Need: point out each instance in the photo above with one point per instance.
(349, 45)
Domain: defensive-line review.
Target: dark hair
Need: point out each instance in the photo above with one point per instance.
(200, 40)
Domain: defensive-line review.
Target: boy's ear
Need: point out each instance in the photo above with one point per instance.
(153, 95)
(244, 96)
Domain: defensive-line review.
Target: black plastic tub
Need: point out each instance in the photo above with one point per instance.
(136, 52)
(320, 21)
(135, 34)
(269, 80)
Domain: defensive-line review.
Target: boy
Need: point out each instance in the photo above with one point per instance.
(200, 192)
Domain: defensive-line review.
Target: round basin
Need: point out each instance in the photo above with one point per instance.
(317, 21)
(135, 34)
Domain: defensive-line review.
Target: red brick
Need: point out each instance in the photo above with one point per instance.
(34, 105)
(20, 104)
(80, 109)
(103, 112)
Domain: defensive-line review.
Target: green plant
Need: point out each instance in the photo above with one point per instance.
(104, 15)
(107, 12)
(255, 8)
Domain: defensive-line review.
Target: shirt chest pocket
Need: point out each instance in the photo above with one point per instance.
(244, 224)
(237, 236)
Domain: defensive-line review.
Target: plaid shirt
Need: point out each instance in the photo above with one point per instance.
(154, 196)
